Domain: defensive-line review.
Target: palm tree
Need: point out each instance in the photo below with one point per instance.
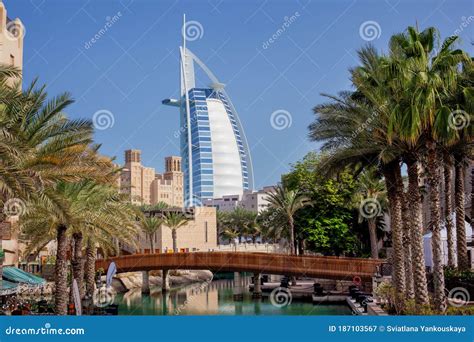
(459, 202)
(462, 150)
(174, 221)
(44, 147)
(353, 128)
(433, 80)
(154, 207)
(254, 228)
(371, 202)
(222, 223)
(242, 221)
(400, 111)
(288, 202)
(379, 94)
(228, 232)
(272, 225)
(407, 246)
(448, 208)
(149, 226)
(112, 220)
(86, 211)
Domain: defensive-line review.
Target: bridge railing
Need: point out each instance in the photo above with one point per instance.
(311, 266)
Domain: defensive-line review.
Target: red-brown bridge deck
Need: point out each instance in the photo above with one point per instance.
(340, 268)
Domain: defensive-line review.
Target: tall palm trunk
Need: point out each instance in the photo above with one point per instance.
(407, 247)
(434, 182)
(90, 269)
(152, 243)
(77, 263)
(71, 272)
(463, 260)
(391, 173)
(291, 223)
(175, 245)
(61, 288)
(448, 208)
(414, 198)
(472, 197)
(374, 249)
(2, 220)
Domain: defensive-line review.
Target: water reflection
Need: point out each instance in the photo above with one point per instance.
(214, 298)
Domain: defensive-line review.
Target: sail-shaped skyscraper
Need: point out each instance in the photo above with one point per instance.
(214, 149)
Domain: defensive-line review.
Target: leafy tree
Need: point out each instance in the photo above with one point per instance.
(330, 236)
(325, 226)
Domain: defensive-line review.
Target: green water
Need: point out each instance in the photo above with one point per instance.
(215, 298)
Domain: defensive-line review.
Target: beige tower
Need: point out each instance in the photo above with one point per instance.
(144, 186)
(136, 179)
(168, 187)
(175, 174)
(11, 53)
(11, 39)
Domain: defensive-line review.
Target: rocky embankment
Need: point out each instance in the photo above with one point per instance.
(123, 282)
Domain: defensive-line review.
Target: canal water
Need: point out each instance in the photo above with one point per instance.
(214, 298)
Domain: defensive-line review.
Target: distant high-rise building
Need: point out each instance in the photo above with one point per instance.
(216, 157)
(144, 186)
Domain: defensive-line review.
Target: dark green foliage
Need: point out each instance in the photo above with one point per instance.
(327, 226)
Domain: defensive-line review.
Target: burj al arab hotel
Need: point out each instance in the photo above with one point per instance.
(214, 149)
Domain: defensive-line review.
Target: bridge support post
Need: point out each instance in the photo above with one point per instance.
(165, 281)
(257, 285)
(238, 291)
(145, 282)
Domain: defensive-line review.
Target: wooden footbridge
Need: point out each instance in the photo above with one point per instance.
(339, 268)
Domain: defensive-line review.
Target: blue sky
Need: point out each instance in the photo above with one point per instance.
(134, 65)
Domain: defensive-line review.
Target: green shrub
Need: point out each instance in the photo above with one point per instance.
(461, 311)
